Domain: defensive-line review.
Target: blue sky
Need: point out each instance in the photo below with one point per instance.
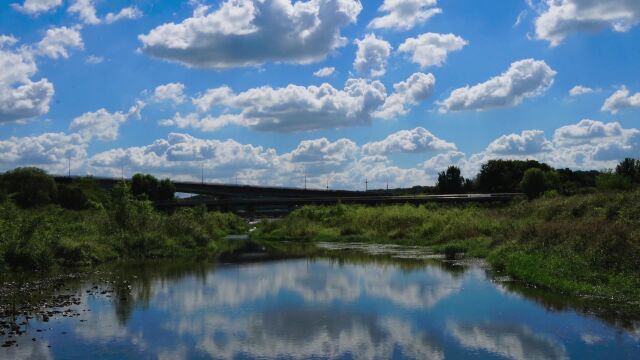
(476, 79)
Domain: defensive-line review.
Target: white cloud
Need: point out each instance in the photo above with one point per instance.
(417, 140)
(620, 100)
(212, 98)
(207, 123)
(86, 11)
(131, 13)
(405, 14)
(372, 55)
(524, 79)
(417, 88)
(527, 143)
(324, 72)
(320, 156)
(173, 92)
(57, 42)
(580, 90)
(299, 108)
(562, 18)
(431, 49)
(250, 33)
(182, 154)
(20, 97)
(588, 131)
(93, 59)
(50, 151)
(102, 124)
(588, 145)
(36, 7)
(7, 40)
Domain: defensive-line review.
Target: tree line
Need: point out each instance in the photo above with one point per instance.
(535, 178)
(30, 187)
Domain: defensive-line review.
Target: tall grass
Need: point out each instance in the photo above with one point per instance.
(39, 238)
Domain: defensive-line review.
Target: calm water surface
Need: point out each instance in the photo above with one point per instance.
(358, 307)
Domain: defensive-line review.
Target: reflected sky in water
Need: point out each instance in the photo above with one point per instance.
(322, 308)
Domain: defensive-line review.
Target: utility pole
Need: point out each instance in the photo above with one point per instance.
(305, 182)
(387, 184)
(202, 174)
(366, 185)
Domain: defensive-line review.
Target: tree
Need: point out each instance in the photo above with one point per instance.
(450, 181)
(629, 168)
(144, 185)
(72, 197)
(30, 186)
(166, 190)
(505, 175)
(533, 183)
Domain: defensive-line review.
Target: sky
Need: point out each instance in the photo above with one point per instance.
(339, 92)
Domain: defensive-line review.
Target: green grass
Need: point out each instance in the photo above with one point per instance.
(583, 244)
(45, 237)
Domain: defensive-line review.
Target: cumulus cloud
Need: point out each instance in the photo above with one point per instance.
(417, 88)
(409, 141)
(431, 49)
(620, 100)
(86, 11)
(562, 18)
(321, 155)
(324, 72)
(588, 145)
(50, 151)
(57, 42)
(36, 7)
(405, 14)
(184, 154)
(526, 143)
(250, 33)
(20, 97)
(173, 92)
(207, 123)
(102, 124)
(341, 163)
(298, 108)
(524, 79)
(372, 55)
(580, 90)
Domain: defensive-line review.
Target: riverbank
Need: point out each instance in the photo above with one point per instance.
(50, 236)
(579, 245)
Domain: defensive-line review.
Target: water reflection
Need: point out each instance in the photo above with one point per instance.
(513, 342)
(317, 307)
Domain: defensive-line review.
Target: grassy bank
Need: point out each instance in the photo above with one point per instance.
(48, 236)
(583, 244)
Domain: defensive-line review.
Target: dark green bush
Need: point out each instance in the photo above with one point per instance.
(29, 187)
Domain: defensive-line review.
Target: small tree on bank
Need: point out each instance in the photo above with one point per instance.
(450, 181)
(533, 183)
(29, 186)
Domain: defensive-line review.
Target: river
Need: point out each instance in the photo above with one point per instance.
(347, 302)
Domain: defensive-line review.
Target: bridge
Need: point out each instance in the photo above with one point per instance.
(249, 200)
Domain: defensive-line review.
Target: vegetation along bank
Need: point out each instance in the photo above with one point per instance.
(576, 233)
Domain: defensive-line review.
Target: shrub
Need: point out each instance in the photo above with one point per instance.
(533, 183)
(609, 181)
(72, 197)
(30, 186)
